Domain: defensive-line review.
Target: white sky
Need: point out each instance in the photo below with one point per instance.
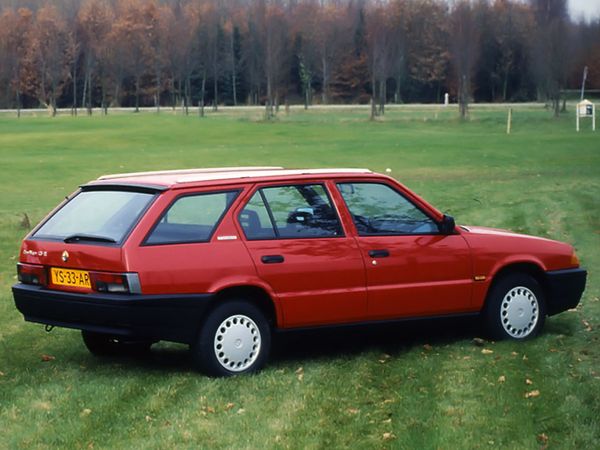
(589, 8)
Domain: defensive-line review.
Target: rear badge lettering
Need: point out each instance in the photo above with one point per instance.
(35, 252)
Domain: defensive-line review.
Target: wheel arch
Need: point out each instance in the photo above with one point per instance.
(530, 268)
(256, 295)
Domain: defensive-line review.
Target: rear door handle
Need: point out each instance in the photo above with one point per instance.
(272, 259)
(382, 253)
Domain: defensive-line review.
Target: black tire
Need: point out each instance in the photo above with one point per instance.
(234, 339)
(101, 344)
(515, 308)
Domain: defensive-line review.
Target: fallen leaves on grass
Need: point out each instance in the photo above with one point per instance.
(384, 358)
(478, 342)
(528, 381)
(300, 373)
(388, 436)
(46, 358)
(353, 411)
(501, 379)
(229, 406)
(587, 325)
(1, 374)
(149, 419)
(428, 347)
(542, 439)
(241, 411)
(532, 394)
(487, 351)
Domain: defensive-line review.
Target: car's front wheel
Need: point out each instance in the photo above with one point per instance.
(234, 339)
(515, 308)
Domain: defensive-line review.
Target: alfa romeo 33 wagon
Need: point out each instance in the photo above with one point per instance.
(221, 258)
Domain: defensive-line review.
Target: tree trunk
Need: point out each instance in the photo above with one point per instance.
(215, 88)
(103, 100)
(373, 108)
(18, 103)
(89, 99)
(397, 95)
(85, 87)
(137, 93)
(157, 94)
(306, 93)
(233, 74)
(269, 104)
(382, 97)
(74, 107)
(202, 92)
(187, 95)
(324, 88)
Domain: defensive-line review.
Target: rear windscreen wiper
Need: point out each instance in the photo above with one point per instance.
(88, 237)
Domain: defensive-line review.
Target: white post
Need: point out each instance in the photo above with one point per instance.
(446, 99)
(593, 117)
(577, 115)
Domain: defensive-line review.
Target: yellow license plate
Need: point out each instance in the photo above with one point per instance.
(70, 277)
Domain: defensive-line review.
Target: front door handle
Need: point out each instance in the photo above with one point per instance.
(272, 259)
(382, 253)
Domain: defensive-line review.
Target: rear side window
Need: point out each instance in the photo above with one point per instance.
(298, 211)
(96, 216)
(191, 218)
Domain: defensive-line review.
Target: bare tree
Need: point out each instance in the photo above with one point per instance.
(551, 48)
(49, 56)
(464, 45)
(15, 35)
(427, 37)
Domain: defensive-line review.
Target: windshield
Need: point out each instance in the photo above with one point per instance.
(96, 216)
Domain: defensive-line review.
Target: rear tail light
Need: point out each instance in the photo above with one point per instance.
(116, 283)
(32, 274)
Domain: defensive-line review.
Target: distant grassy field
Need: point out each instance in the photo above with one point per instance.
(407, 386)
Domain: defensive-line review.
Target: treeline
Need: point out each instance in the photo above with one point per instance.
(102, 53)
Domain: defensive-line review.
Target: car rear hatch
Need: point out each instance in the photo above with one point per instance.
(78, 247)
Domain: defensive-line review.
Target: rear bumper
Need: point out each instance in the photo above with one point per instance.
(158, 317)
(565, 288)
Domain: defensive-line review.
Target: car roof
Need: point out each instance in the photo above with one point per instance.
(167, 179)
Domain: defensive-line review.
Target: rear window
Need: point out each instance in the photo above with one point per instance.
(96, 216)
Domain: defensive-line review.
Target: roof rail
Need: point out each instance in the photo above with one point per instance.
(189, 171)
(235, 174)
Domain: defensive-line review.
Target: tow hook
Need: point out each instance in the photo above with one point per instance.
(49, 328)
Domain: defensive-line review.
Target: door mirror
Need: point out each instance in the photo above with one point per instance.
(447, 225)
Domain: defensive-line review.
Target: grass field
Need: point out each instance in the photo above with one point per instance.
(407, 386)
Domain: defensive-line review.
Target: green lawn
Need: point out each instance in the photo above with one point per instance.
(408, 386)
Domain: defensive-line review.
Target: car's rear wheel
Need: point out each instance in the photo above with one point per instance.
(101, 344)
(234, 339)
(515, 308)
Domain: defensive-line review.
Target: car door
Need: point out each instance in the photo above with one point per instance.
(294, 236)
(411, 268)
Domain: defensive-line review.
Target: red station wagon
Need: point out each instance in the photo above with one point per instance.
(221, 258)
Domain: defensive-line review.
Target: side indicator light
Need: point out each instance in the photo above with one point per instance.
(574, 260)
(479, 277)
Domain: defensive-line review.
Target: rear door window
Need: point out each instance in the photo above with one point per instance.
(191, 218)
(96, 216)
(297, 211)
